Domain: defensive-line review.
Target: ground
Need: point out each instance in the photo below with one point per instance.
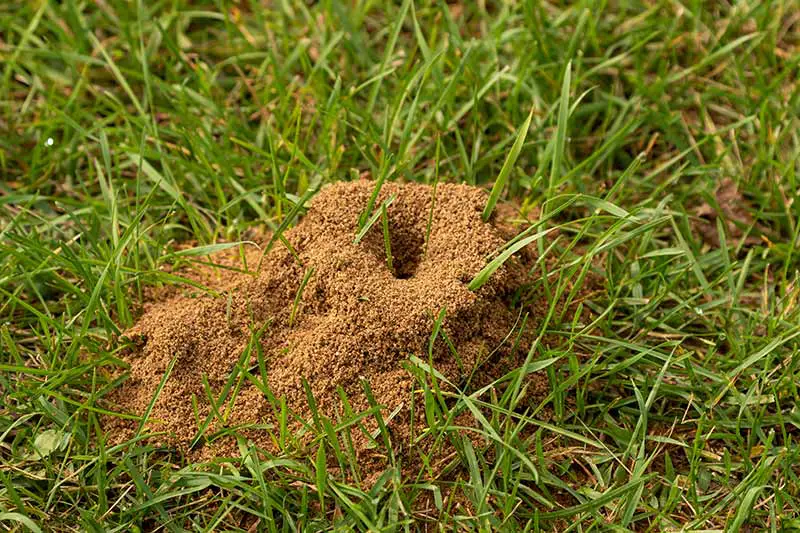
(662, 143)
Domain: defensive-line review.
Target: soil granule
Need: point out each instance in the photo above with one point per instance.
(355, 320)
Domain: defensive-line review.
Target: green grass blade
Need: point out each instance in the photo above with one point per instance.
(387, 239)
(508, 165)
(561, 131)
(483, 276)
(374, 218)
(299, 295)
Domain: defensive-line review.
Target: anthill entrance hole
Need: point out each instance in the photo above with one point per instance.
(408, 249)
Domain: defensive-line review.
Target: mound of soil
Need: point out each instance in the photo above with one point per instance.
(354, 320)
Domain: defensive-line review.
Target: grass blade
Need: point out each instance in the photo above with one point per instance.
(371, 222)
(508, 165)
(156, 394)
(387, 241)
(483, 276)
(299, 295)
(561, 131)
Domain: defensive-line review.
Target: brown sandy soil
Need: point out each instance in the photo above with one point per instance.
(735, 209)
(355, 321)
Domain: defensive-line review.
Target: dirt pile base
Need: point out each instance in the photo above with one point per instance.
(253, 345)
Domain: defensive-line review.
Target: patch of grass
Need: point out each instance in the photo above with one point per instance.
(128, 127)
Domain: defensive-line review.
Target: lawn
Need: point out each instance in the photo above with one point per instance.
(661, 138)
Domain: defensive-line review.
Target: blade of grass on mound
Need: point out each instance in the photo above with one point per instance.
(374, 218)
(223, 394)
(156, 394)
(386, 169)
(437, 326)
(508, 165)
(387, 241)
(299, 295)
(483, 276)
(313, 188)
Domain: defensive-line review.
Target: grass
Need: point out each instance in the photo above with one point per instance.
(129, 127)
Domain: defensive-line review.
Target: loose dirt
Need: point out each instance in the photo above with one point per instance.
(262, 342)
(735, 210)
